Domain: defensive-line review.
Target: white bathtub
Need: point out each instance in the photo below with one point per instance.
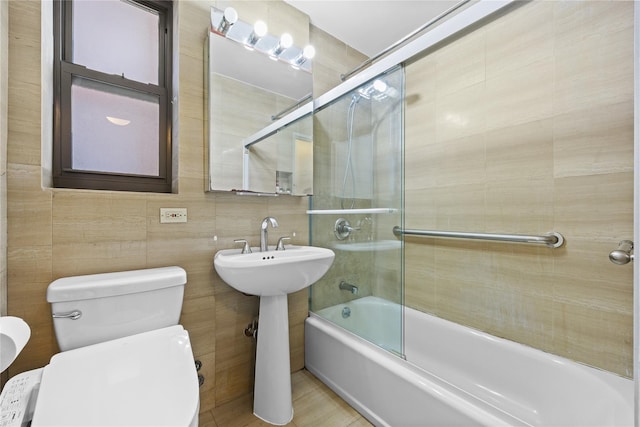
(455, 376)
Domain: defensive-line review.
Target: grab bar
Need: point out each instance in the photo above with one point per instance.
(552, 240)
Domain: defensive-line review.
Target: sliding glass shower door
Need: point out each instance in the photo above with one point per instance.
(357, 201)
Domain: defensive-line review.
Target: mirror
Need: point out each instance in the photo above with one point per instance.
(253, 101)
(282, 154)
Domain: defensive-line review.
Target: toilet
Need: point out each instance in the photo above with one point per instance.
(125, 360)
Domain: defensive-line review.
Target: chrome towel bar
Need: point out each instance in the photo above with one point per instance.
(552, 240)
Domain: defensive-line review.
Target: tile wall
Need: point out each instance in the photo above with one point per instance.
(4, 33)
(332, 59)
(4, 40)
(58, 233)
(526, 126)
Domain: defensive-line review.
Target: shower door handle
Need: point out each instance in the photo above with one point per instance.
(622, 255)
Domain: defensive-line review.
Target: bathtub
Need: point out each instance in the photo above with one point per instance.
(454, 375)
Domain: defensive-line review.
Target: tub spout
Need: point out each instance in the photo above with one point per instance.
(345, 286)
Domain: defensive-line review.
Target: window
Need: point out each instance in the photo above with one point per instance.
(112, 95)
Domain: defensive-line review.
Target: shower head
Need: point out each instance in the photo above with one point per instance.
(378, 90)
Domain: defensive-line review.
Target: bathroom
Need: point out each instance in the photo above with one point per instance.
(57, 233)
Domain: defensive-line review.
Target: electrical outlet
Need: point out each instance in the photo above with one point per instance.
(173, 215)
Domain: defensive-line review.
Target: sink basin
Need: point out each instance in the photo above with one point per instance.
(14, 334)
(273, 272)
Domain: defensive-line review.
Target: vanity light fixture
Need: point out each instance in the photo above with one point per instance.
(229, 17)
(227, 24)
(285, 42)
(259, 31)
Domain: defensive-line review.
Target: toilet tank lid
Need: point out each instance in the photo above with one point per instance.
(111, 284)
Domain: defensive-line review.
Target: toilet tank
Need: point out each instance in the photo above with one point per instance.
(101, 307)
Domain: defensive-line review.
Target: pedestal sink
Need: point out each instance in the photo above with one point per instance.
(272, 275)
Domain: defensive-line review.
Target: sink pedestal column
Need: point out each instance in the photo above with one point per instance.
(272, 391)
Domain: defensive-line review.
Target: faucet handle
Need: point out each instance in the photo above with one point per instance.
(246, 249)
(280, 245)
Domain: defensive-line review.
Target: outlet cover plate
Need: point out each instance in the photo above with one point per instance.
(173, 215)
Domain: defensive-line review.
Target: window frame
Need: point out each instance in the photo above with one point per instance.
(64, 176)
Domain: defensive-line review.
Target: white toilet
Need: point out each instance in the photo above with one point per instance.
(125, 359)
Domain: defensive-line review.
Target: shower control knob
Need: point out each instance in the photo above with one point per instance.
(342, 229)
(622, 255)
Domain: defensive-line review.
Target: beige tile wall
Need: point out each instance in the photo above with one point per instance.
(333, 58)
(57, 233)
(526, 126)
(4, 40)
(4, 33)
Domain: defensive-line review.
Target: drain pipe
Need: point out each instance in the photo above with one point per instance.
(251, 330)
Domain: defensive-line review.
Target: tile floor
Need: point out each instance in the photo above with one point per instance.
(314, 405)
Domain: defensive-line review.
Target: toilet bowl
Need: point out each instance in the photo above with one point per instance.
(127, 361)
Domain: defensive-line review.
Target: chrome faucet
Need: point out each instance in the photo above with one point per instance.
(346, 286)
(264, 243)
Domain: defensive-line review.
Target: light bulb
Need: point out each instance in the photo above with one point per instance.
(229, 17)
(309, 52)
(260, 29)
(286, 41)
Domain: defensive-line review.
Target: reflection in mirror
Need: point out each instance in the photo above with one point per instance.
(279, 158)
(246, 89)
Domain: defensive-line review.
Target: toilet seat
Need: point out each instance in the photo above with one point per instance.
(147, 379)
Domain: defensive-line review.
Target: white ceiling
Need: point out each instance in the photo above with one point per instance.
(370, 26)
